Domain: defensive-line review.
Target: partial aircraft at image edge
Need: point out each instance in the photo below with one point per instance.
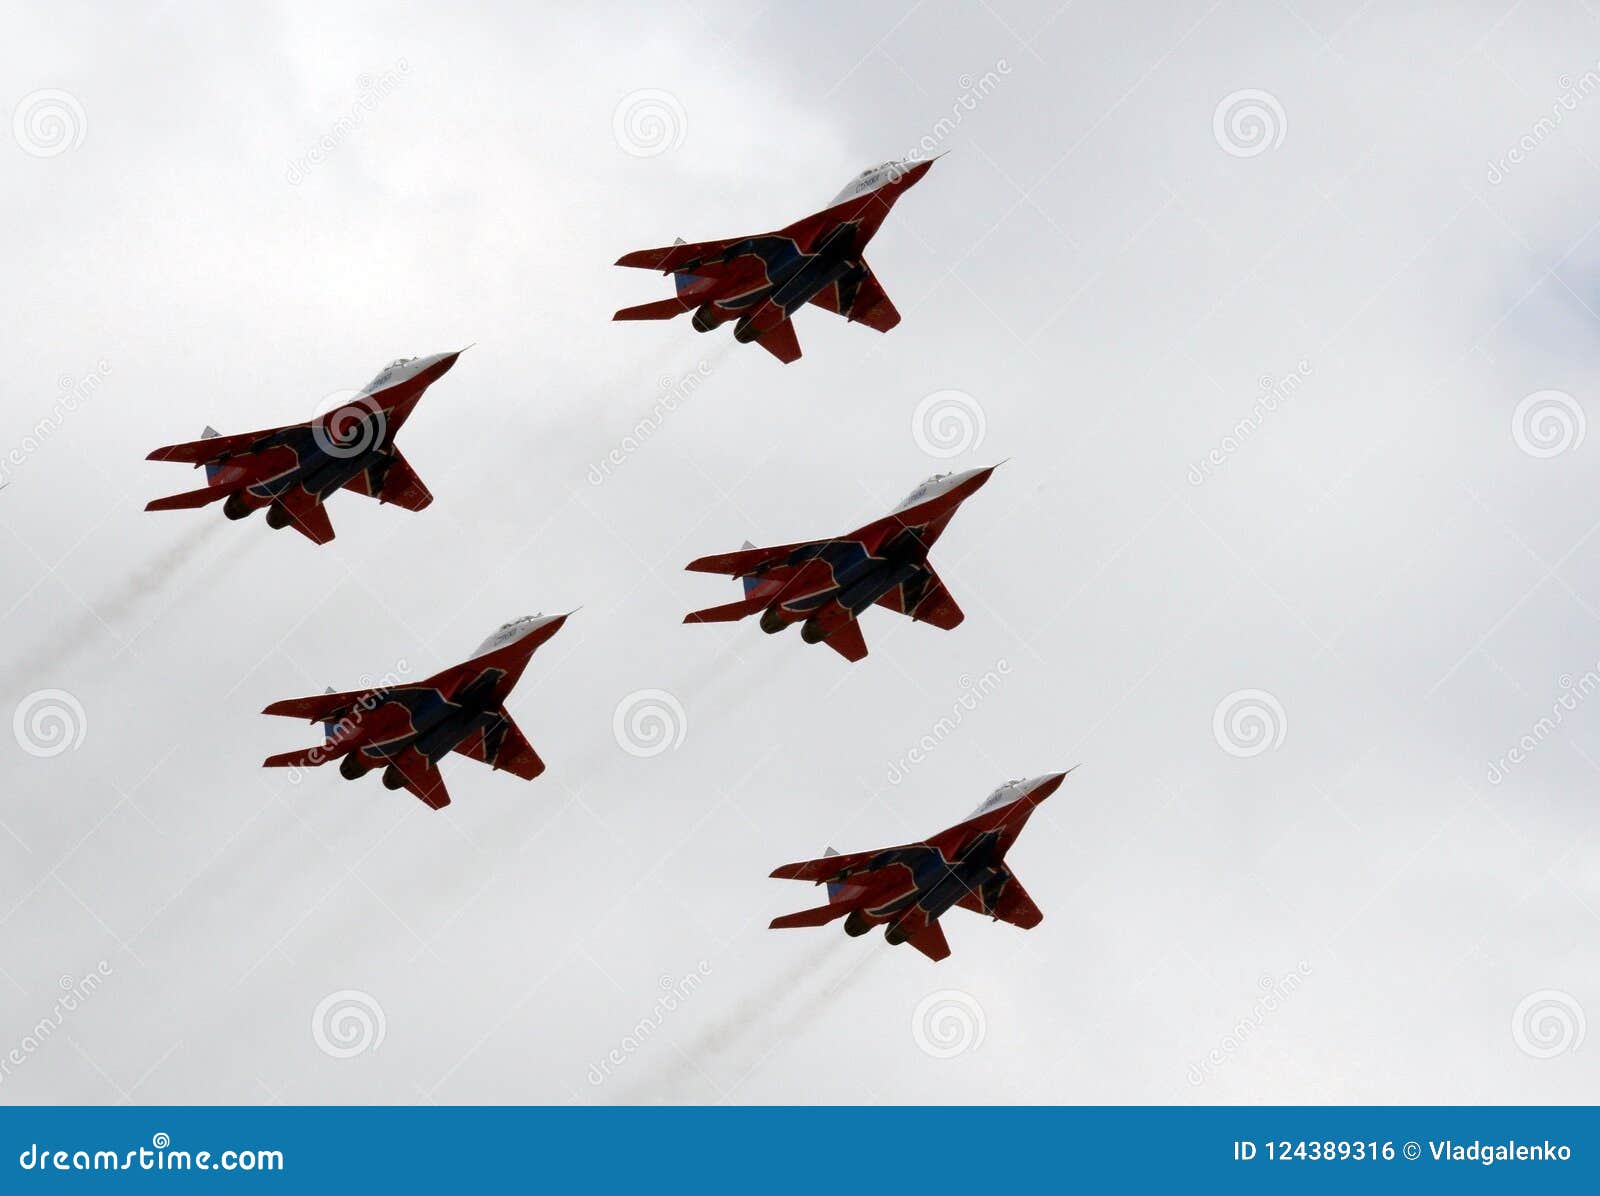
(292, 470)
(406, 729)
(762, 281)
(825, 585)
(909, 888)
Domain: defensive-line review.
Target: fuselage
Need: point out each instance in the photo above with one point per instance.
(839, 579)
(321, 456)
(786, 270)
(446, 709)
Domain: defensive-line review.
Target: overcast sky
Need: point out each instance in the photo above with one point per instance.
(1284, 314)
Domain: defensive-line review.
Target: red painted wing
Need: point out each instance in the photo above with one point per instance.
(930, 941)
(504, 748)
(1014, 906)
(861, 301)
(318, 708)
(780, 340)
(924, 598)
(741, 563)
(829, 868)
(672, 258)
(848, 641)
(392, 480)
(214, 448)
(421, 777)
(307, 516)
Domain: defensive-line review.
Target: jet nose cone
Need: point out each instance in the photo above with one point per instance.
(913, 176)
(1042, 787)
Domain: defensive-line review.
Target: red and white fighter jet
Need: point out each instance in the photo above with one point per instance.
(761, 281)
(292, 470)
(908, 888)
(825, 585)
(407, 729)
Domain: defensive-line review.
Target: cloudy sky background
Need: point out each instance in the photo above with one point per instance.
(1402, 556)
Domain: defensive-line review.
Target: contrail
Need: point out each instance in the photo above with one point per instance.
(752, 1015)
(137, 585)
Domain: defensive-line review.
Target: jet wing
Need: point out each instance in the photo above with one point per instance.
(924, 598)
(859, 298)
(319, 708)
(743, 562)
(703, 258)
(307, 515)
(780, 340)
(502, 745)
(1008, 901)
(848, 641)
(832, 869)
(213, 448)
(421, 776)
(390, 479)
(930, 941)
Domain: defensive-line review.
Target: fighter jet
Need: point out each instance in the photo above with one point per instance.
(826, 584)
(292, 470)
(407, 729)
(762, 281)
(909, 887)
